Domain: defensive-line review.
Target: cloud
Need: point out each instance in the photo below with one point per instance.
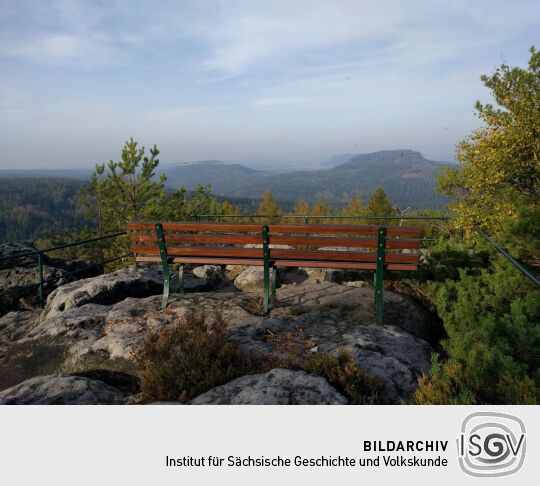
(64, 49)
(279, 101)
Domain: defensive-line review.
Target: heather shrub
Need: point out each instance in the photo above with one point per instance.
(346, 376)
(188, 358)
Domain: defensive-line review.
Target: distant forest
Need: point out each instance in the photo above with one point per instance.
(41, 209)
(38, 208)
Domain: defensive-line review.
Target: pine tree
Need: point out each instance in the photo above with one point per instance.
(497, 186)
(379, 205)
(269, 207)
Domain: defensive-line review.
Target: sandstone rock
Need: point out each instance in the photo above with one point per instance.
(17, 273)
(212, 273)
(338, 317)
(105, 289)
(335, 275)
(106, 337)
(61, 389)
(277, 387)
(15, 248)
(134, 281)
(251, 279)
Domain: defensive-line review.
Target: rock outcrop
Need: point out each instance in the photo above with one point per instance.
(133, 281)
(94, 328)
(61, 389)
(18, 269)
(277, 387)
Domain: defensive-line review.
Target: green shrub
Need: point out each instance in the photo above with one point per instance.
(491, 319)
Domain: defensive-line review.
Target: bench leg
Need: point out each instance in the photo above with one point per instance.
(266, 289)
(164, 265)
(274, 284)
(266, 269)
(379, 274)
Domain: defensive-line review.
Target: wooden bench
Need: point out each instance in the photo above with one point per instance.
(361, 247)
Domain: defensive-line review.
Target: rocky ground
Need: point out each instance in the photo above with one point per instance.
(81, 347)
(18, 272)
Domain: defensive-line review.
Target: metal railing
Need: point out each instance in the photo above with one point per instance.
(308, 216)
(305, 218)
(39, 254)
(517, 264)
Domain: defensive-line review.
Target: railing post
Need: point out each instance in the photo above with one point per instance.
(41, 289)
(164, 264)
(266, 268)
(379, 274)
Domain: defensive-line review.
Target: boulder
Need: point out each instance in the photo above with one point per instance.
(250, 279)
(277, 387)
(335, 275)
(15, 248)
(212, 273)
(61, 389)
(134, 281)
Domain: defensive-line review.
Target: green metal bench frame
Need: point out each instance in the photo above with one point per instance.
(270, 272)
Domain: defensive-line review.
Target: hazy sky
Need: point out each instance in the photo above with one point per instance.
(250, 81)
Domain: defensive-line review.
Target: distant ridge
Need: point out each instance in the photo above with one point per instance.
(57, 173)
(338, 159)
(406, 176)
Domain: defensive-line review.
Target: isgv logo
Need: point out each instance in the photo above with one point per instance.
(491, 444)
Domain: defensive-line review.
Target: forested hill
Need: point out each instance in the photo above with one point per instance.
(407, 178)
(37, 208)
(41, 209)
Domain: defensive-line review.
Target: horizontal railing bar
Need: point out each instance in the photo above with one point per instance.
(30, 286)
(83, 242)
(510, 258)
(284, 216)
(60, 247)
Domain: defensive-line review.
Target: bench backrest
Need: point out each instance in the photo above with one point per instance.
(291, 245)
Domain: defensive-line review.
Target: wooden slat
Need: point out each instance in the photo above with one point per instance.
(199, 238)
(407, 231)
(280, 263)
(278, 254)
(332, 256)
(216, 227)
(286, 240)
(340, 256)
(205, 260)
(346, 265)
(322, 241)
(202, 251)
(350, 229)
(141, 226)
(142, 258)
